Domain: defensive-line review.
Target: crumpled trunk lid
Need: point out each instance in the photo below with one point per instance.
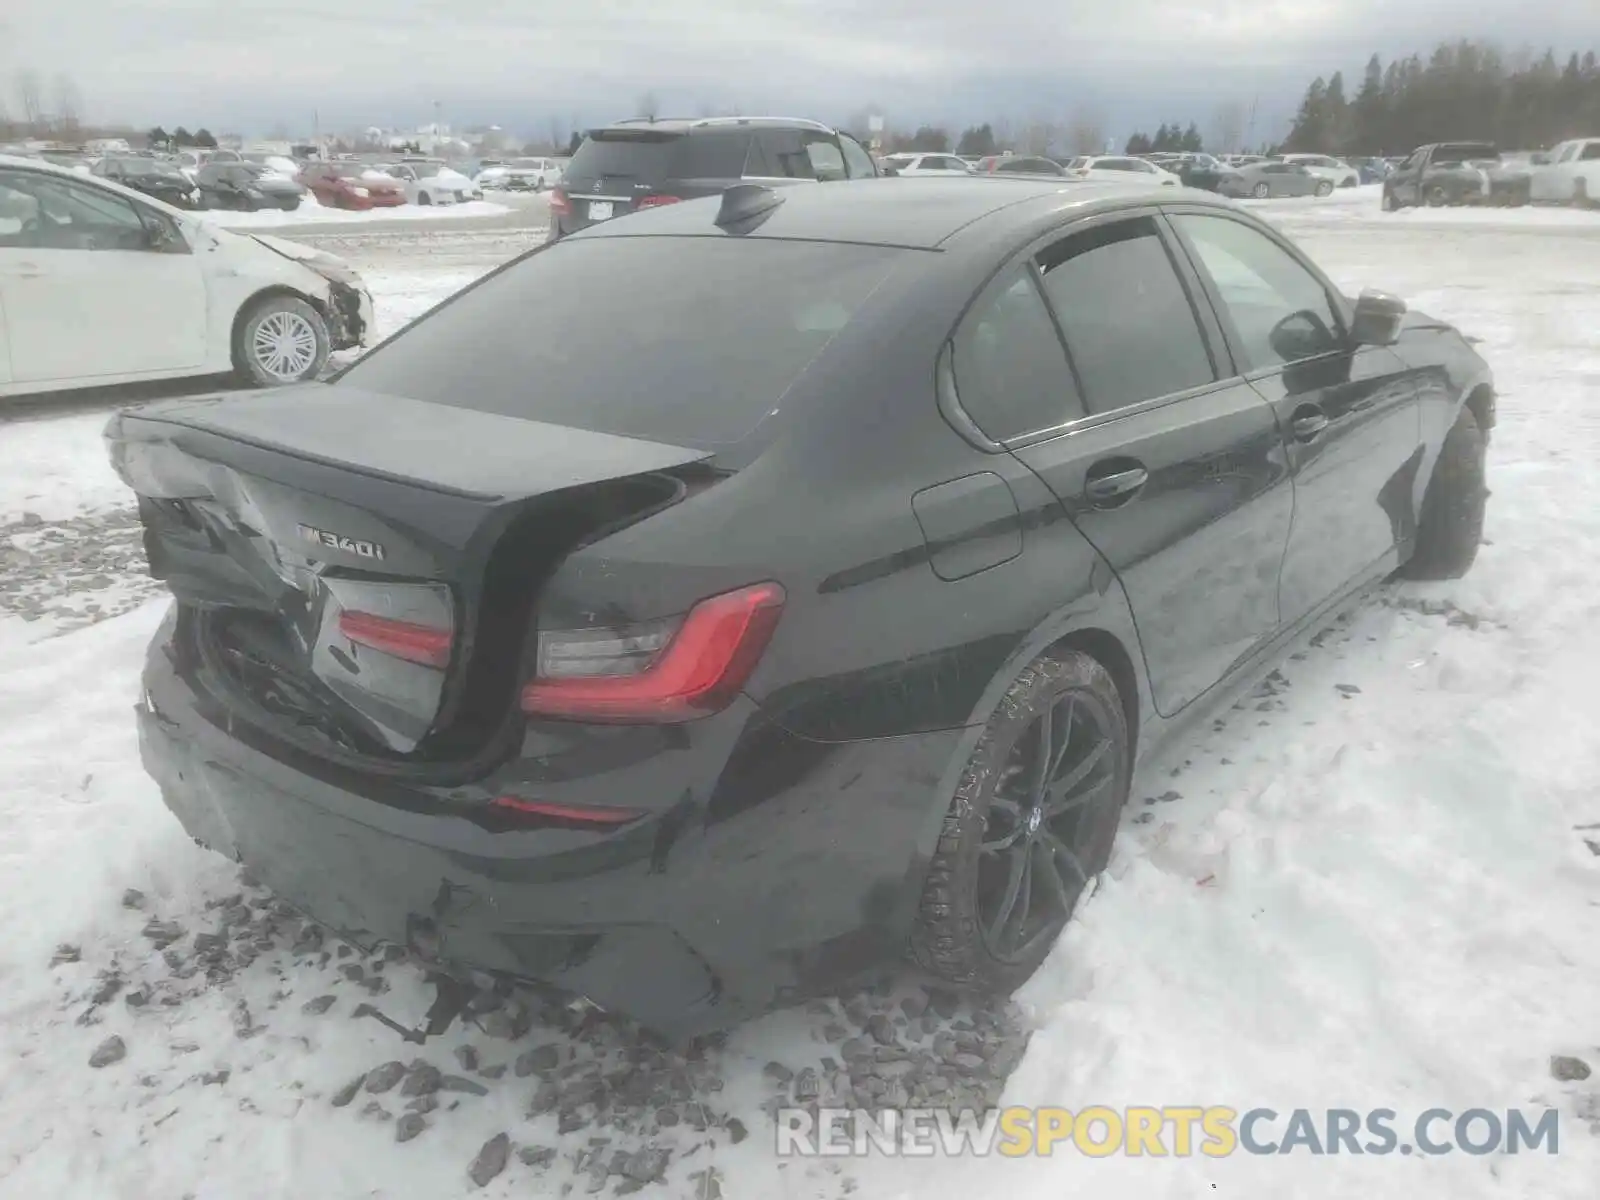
(283, 520)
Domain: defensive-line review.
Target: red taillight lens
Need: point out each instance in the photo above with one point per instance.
(657, 673)
(421, 644)
(658, 201)
(577, 814)
(559, 204)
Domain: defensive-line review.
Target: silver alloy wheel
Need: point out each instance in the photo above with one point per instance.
(284, 346)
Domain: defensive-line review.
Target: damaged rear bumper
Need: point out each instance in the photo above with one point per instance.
(752, 879)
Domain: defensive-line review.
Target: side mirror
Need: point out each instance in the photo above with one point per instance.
(1377, 319)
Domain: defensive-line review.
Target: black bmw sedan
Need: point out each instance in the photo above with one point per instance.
(718, 606)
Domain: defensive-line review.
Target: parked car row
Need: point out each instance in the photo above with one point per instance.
(1457, 173)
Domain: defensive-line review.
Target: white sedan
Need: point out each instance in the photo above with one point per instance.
(928, 164)
(1336, 171)
(1111, 168)
(433, 183)
(101, 285)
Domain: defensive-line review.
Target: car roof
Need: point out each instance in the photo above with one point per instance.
(682, 125)
(909, 212)
(39, 166)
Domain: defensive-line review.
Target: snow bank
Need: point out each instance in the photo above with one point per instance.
(311, 213)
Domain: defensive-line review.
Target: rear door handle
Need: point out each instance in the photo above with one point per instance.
(1115, 485)
(1308, 422)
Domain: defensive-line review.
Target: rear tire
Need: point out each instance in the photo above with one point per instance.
(1580, 193)
(961, 929)
(1451, 526)
(1262, 191)
(424, 199)
(1437, 197)
(1390, 203)
(280, 340)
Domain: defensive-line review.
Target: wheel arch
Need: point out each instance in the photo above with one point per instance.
(1481, 401)
(1107, 650)
(266, 293)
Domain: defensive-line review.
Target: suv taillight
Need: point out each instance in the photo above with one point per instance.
(674, 670)
(658, 201)
(559, 204)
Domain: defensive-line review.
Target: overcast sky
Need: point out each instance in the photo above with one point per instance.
(248, 65)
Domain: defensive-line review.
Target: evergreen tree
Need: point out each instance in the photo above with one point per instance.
(1139, 143)
(1191, 139)
(1367, 112)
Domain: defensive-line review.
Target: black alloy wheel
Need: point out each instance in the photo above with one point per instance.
(1030, 825)
(1033, 860)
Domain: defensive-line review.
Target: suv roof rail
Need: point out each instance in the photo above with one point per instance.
(806, 122)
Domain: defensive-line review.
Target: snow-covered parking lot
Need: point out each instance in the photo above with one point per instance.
(1374, 884)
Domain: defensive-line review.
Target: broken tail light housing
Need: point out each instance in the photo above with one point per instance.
(665, 671)
(559, 204)
(421, 644)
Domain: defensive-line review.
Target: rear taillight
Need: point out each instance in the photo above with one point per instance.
(658, 201)
(667, 671)
(559, 204)
(421, 644)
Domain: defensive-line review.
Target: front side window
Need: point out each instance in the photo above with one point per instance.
(1280, 310)
(61, 215)
(1129, 325)
(1011, 372)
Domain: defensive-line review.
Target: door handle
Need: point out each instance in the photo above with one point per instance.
(1116, 485)
(28, 270)
(1308, 423)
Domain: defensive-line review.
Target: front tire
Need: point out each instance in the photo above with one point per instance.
(1390, 202)
(424, 199)
(1031, 824)
(281, 340)
(1451, 526)
(1580, 193)
(1262, 191)
(1325, 188)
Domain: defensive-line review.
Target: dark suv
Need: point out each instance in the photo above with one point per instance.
(641, 163)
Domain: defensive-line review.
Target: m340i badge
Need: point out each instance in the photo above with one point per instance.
(339, 541)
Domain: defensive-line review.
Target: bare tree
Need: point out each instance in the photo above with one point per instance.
(1039, 135)
(648, 106)
(31, 97)
(1227, 127)
(279, 132)
(558, 136)
(1005, 134)
(69, 104)
(1086, 133)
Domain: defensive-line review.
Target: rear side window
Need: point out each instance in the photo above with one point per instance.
(1011, 372)
(1129, 324)
(686, 340)
(1590, 152)
(780, 154)
(823, 154)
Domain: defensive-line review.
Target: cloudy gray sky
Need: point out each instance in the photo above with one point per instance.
(248, 65)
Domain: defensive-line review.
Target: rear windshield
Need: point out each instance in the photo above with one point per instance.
(690, 341)
(1466, 152)
(714, 154)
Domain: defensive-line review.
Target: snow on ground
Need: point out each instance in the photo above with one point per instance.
(1368, 885)
(312, 213)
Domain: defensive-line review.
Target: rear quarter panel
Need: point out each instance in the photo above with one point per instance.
(872, 642)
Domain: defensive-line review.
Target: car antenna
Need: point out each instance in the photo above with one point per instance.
(744, 202)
